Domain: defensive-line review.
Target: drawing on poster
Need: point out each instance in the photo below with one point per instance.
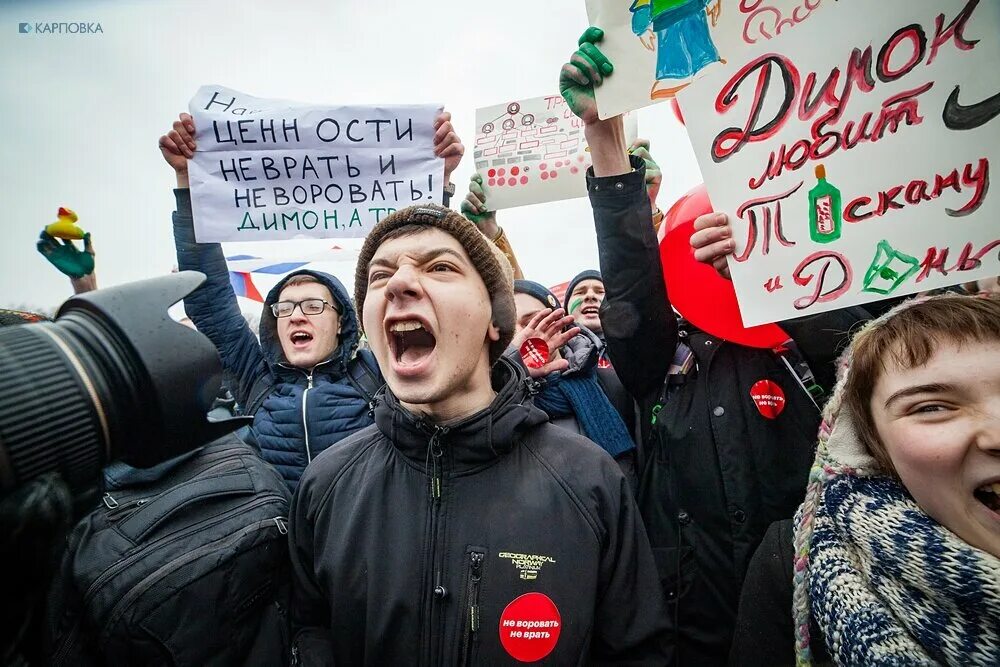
(679, 34)
(557, 149)
(532, 151)
(659, 47)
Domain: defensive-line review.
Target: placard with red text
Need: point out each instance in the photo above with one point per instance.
(854, 155)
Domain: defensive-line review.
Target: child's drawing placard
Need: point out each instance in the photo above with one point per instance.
(658, 47)
(533, 151)
(270, 169)
(854, 157)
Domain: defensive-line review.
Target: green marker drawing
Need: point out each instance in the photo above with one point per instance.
(574, 304)
(889, 269)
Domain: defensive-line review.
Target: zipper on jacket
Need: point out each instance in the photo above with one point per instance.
(305, 421)
(432, 637)
(436, 453)
(476, 559)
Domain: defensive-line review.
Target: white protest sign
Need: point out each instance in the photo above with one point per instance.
(853, 157)
(658, 47)
(533, 151)
(271, 169)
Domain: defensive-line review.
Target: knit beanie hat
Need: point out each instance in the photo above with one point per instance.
(537, 290)
(490, 262)
(589, 274)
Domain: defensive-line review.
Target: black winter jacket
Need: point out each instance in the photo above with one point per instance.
(718, 469)
(409, 541)
(765, 629)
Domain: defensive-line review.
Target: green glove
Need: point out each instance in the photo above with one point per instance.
(586, 69)
(66, 257)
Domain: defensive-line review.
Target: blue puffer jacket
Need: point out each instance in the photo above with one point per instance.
(302, 412)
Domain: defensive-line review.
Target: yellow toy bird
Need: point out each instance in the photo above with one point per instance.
(65, 227)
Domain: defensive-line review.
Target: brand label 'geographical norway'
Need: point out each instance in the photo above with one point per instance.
(528, 564)
(530, 627)
(769, 398)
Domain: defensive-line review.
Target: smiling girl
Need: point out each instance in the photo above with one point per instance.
(897, 545)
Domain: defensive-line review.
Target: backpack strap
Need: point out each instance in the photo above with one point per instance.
(791, 357)
(681, 366)
(364, 379)
(258, 392)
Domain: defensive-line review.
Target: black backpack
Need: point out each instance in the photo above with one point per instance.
(189, 569)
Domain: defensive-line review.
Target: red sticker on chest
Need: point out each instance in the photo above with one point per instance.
(529, 627)
(769, 398)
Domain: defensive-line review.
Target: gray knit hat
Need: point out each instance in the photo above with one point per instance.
(490, 262)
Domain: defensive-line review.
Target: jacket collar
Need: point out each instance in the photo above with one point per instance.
(474, 440)
(582, 352)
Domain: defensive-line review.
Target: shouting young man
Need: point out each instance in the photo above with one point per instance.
(462, 528)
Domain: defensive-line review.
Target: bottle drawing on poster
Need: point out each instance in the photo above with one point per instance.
(533, 151)
(658, 47)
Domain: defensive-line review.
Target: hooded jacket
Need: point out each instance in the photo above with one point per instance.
(411, 541)
(720, 464)
(297, 412)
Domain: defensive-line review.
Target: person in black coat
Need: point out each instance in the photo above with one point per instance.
(732, 430)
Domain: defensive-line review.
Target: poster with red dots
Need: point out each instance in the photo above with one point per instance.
(533, 151)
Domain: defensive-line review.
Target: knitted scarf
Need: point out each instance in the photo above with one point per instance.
(581, 396)
(885, 582)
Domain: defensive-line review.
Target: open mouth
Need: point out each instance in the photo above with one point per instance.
(300, 339)
(590, 311)
(989, 495)
(410, 342)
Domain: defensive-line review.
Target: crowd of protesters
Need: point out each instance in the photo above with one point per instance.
(482, 474)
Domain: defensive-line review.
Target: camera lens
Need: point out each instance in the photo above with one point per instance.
(112, 378)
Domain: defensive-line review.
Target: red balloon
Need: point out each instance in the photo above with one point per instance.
(677, 110)
(696, 290)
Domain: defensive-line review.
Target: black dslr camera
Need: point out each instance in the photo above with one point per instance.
(112, 378)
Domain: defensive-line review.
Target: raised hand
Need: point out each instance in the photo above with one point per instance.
(548, 325)
(66, 257)
(585, 70)
(447, 144)
(712, 241)
(474, 208)
(178, 145)
(654, 176)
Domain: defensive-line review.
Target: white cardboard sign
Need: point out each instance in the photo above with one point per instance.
(533, 151)
(271, 169)
(853, 157)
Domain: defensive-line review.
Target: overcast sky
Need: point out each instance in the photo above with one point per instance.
(83, 113)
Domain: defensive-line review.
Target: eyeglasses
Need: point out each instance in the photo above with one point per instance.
(308, 307)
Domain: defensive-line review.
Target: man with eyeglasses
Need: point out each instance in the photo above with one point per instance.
(302, 383)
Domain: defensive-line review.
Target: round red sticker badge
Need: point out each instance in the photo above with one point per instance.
(530, 627)
(769, 398)
(535, 352)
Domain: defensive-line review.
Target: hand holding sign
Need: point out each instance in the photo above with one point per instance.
(713, 241)
(474, 208)
(654, 176)
(447, 144)
(178, 145)
(586, 69)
